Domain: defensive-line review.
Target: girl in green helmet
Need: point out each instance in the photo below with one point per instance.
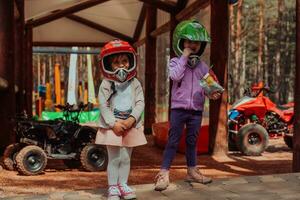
(186, 70)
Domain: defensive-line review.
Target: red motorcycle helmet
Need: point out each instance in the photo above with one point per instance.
(112, 49)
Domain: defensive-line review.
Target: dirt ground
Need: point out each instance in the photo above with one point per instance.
(146, 162)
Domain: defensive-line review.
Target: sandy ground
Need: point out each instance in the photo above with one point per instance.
(145, 164)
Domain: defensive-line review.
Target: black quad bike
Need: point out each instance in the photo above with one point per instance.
(65, 139)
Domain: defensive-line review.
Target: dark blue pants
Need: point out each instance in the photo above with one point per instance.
(179, 117)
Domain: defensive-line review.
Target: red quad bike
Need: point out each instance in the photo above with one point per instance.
(254, 119)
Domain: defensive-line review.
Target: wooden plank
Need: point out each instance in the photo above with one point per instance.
(165, 6)
(62, 13)
(296, 137)
(68, 44)
(99, 27)
(140, 23)
(218, 144)
(150, 70)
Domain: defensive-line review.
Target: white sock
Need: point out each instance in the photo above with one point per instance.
(113, 164)
(125, 155)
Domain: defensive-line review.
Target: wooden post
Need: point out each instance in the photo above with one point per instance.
(296, 139)
(7, 96)
(19, 67)
(173, 24)
(28, 69)
(150, 69)
(219, 58)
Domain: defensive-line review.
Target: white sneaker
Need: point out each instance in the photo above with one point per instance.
(162, 180)
(194, 175)
(126, 191)
(113, 193)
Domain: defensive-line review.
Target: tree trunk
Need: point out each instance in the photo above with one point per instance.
(261, 35)
(237, 69)
(278, 56)
(231, 74)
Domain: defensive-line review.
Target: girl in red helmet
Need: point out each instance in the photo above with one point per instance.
(121, 102)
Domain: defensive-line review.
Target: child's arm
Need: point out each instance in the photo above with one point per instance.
(139, 103)
(177, 68)
(106, 113)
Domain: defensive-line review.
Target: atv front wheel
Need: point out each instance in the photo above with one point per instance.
(31, 160)
(252, 139)
(94, 158)
(9, 156)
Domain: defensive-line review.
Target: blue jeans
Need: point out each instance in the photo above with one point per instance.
(180, 117)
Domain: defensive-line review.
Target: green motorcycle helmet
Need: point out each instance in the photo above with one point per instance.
(190, 30)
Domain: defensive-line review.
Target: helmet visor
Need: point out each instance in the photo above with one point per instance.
(124, 60)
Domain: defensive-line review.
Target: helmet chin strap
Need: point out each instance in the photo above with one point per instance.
(121, 74)
(193, 61)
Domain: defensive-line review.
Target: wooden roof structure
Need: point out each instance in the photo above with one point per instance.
(28, 23)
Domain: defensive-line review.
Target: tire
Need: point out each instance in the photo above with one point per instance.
(252, 139)
(72, 164)
(94, 158)
(231, 142)
(9, 156)
(31, 160)
(288, 140)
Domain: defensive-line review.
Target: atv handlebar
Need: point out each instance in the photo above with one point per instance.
(256, 91)
(70, 107)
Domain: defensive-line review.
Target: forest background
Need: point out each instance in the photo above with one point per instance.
(262, 48)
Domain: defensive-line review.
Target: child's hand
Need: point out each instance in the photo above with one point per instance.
(119, 128)
(129, 122)
(187, 52)
(215, 95)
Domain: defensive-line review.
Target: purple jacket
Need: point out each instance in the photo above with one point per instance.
(186, 90)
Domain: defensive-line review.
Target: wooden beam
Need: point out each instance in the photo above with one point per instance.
(218, 143)
(162, 29)
(62, 13)
(100, 28)
(182, 15)
(296, 136)
(140, 23)
(192, 9)
(68, 44)
(150, 70)
(181, 4)
(140, 42)
(165, 6)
